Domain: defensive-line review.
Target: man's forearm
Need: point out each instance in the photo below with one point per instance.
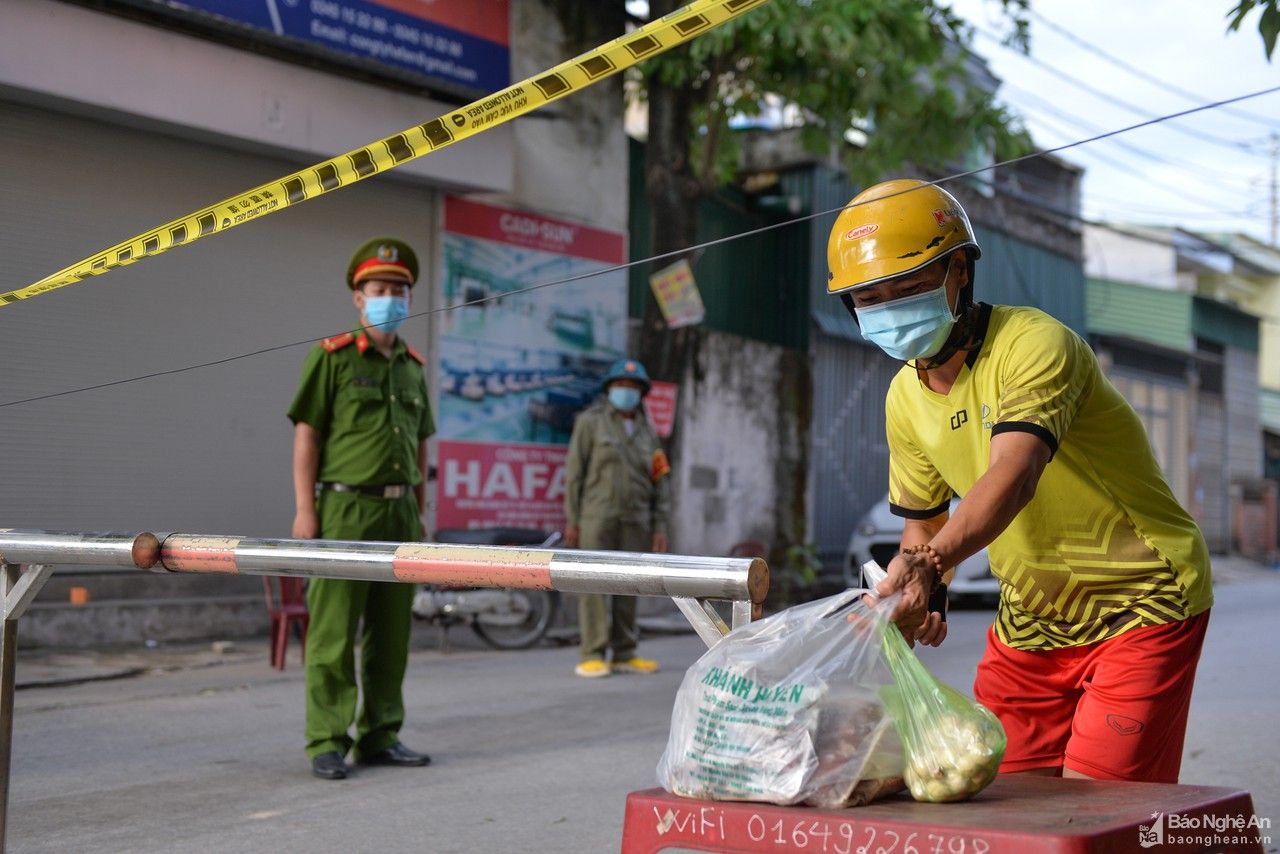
(572, 497)
(306, 463)
(993, 502)
(917, 532)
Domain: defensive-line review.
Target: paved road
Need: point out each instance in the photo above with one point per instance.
(527, 757)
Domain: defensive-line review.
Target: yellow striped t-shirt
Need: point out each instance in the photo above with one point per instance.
(1104, 546)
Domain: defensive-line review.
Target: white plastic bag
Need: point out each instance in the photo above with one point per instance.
(785, 710)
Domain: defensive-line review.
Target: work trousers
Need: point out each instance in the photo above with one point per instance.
(600, 633)
(379, 612)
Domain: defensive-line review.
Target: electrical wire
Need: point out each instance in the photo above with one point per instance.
(1217, 179)
(1208, 212)
(1194, 172)
(1236, 145)
(1140, 210)
(661, 256)
(1143, 75)
(1095, 200)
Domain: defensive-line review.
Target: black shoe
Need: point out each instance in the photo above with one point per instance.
(397, 754)
(329, 766)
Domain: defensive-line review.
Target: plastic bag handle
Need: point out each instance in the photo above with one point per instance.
(846, 605)
(873, 574)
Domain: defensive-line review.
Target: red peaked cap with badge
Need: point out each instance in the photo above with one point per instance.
(382, 258)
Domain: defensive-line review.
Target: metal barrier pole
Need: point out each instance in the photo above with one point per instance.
(743, 581)
(140, 550)
(684, 578)
(689, 580)
(569, 571)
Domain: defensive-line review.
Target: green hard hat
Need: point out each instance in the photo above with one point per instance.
(627, 369)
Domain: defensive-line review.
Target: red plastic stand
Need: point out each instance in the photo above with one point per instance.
(1016, 814)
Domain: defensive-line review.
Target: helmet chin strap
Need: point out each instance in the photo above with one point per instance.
(963, 338)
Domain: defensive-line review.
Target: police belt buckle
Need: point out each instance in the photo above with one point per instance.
(394, 490)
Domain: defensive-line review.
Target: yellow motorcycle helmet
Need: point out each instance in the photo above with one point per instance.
(894, 228)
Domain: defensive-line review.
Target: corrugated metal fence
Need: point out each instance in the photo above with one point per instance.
(849, 457)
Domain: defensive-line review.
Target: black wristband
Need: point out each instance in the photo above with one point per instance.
(938, 600)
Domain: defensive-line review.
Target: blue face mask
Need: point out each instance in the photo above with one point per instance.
(386, 313)
(913, 327)
(624, 399)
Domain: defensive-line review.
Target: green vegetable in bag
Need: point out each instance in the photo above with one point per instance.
(952, 745)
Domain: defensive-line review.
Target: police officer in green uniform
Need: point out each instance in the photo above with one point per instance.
(361, 422)
(616, 498)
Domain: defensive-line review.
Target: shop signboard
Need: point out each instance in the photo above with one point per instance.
(517, 365)
(460, 43)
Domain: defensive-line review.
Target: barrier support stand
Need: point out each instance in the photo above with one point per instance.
(19, 589)
(703, 617)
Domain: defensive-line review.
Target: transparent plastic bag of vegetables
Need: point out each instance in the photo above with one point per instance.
(953, 745)
(787, 710)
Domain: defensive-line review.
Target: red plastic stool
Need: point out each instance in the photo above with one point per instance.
(1016, 814)
(287, 607)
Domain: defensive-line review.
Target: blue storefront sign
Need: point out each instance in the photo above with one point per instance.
(459, 42)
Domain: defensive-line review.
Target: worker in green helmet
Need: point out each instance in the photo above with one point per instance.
(616, 498)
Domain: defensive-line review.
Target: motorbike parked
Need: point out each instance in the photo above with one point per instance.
(504, 618)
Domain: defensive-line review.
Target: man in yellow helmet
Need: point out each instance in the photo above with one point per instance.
(1104, 577)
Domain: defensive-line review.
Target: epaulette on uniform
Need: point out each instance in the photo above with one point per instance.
(337, 342)
(421, 360)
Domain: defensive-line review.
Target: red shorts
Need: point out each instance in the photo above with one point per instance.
(1112, 710)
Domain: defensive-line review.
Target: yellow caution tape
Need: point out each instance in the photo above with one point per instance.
(580, 72)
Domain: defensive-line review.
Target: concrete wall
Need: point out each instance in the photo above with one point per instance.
(849, 463)
(739, 472)
(1266, 304)
(570, 158)
(1120, 257)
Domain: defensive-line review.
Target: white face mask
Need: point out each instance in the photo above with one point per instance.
(913, 327)
(386, 313)
(624, 399)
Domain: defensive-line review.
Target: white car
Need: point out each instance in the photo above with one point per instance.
(877, 537)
